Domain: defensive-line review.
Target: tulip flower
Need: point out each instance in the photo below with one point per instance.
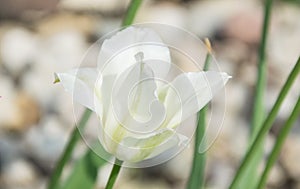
(138, 109)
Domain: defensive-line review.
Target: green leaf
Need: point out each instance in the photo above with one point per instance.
(75, 136)
(251, 154)
(197, 174)
(278, 144)
(85, 172)
(259, 109)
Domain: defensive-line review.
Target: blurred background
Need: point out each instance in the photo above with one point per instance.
(38, 38)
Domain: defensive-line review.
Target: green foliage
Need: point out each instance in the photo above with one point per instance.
(197, 175)
(296, 2)
(251, 154)
(258, 109)
(84, 173)
(279, 143)
(54, 180)
(114, 174)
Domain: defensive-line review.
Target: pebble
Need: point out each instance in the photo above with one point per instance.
(65, 21)
(21, 110)
(8, 95)
(29, 112)
(19, 174)
(284, 46)
(245, 26)
(290, 155)
(207, 17)
(287, 105)
(220, 175)
(45, 142)
(177, 168)
(163, 13)
(18, 48)
(60, 52)
(21, 9)
(10, 148)
(94, 5)
(276, 176)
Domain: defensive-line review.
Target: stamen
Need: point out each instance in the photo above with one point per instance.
(139, 57)
(208, 45)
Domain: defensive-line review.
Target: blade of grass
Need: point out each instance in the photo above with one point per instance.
(131, 12)
(265, 127)
(278, 144)
(258, 110)
(197, 174)
(75, 136)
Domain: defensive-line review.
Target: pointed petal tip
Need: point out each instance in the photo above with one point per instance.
(228, 76)
(183, 140)
(56, 78)
(225, 76)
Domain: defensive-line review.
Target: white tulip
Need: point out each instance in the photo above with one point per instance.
(138, 113)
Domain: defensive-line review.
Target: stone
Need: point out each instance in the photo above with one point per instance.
(176, 168)
(220, 174)
(28, 111)
(283, 45)
(8, 107)
(94, 5)
(276, 176)
(18, 9)
(245, 26)
(46, 141)
(19, 174)
(65, 21)
(290, 155)
(61, 52)
(205, 18)
(18, 48)
(10, 148)
(19, 111)
(163, 13)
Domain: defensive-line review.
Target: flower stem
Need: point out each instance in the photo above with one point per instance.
(197, 175)
(68, 150)
(278, 145)
(131, 12)
(265, 126)
(114, 174)
(258, 110)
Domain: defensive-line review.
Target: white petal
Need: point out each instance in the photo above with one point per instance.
(190, 92)
(138, 149)
(131, 107)
(80, 83)
(134, 100)
(118, 53)
(103, 92)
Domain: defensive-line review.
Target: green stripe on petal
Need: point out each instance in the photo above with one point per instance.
(134, 149)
